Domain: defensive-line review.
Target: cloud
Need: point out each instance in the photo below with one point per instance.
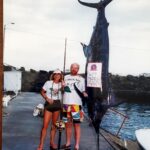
(41, 27)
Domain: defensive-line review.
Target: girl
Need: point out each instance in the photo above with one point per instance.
(51, 92)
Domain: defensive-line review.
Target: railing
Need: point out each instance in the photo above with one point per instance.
(121, 114)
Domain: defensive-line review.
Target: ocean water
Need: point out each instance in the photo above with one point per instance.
(138, 117)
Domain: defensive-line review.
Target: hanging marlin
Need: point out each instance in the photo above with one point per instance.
(97, 51)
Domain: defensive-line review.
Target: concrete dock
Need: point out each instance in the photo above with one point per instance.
(21, 130)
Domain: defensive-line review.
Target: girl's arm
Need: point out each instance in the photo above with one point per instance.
(43, 93)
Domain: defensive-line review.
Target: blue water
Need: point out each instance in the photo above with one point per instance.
(138, 117)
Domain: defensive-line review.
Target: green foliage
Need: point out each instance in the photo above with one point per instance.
(131, 87)
(138, 83)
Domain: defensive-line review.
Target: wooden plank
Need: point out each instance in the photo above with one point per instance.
(22, 108)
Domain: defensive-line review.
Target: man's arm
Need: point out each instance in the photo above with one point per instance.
(85, 94)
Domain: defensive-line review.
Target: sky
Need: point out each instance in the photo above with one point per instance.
(37, 39)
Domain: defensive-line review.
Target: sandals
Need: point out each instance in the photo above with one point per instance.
(39, 148)
(52, 148)
(64, 147)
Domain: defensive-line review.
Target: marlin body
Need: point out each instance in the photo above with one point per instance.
(97, 51)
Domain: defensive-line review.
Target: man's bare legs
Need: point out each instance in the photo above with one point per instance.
(77, 134)
(68, 133)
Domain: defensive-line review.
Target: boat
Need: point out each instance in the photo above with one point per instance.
(143, 138)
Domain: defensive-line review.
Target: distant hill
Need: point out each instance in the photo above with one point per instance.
(131, 88)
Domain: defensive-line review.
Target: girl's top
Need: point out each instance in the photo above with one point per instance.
(53, 90)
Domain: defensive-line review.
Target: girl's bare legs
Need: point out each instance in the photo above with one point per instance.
(46, 120)
(55, 116)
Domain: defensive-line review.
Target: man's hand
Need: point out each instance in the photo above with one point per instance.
(85, 94)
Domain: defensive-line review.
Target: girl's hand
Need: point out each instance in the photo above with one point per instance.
(63, 84)
(50, 101)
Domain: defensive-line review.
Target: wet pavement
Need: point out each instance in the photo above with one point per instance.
(21, 130)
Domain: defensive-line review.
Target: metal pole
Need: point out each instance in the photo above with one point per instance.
(2, 80)
(4, 37)
(65, 55)
(98, 142)
(4, 33)
(60, 131)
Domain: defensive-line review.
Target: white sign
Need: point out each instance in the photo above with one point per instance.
(94, 73)
(12, 80)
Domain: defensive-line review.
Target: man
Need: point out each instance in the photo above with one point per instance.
(72, 105)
